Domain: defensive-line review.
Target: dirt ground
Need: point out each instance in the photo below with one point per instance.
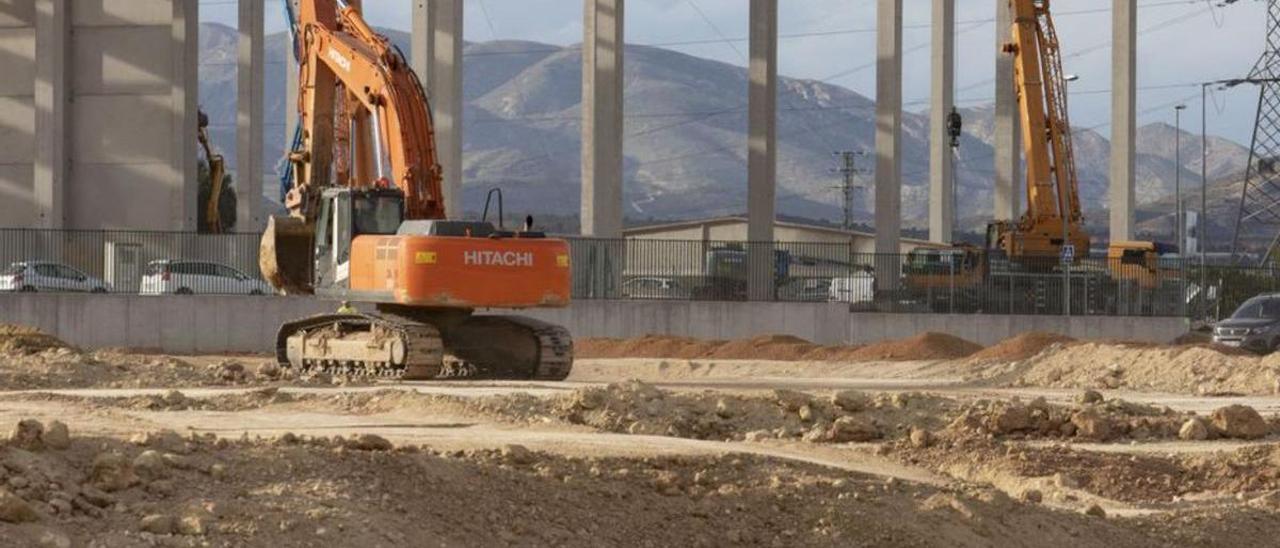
(929, 441)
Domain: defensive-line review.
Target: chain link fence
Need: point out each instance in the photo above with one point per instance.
(923, 281)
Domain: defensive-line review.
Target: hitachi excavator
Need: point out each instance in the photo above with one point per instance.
(1022, 258)
(367, 223)
(217, 169)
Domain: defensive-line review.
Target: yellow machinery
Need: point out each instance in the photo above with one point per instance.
(217, 168)
(1053, 214)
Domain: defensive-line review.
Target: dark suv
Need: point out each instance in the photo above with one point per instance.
(1254, 326)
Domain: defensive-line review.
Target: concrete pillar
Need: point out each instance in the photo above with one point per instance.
(250, 77)
(888, 141)
(52, 50)
(1124, 41)
(422, 42)
(446, 100)
(762, 146)
(942, 207)
(185, 37)
(602, 69)
(1008, 193)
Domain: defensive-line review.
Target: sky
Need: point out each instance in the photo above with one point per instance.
(1180, 43)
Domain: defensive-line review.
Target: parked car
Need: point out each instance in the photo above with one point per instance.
(1254, 326)
(652, 287)
(31, 276)
(199, 278)
(858, 288)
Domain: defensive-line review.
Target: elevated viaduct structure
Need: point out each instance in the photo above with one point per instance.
(99, 102)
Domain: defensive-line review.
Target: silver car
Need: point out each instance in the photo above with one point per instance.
(175, 277)
(33, 276)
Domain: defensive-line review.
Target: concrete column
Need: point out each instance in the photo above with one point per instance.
(250, 77)
(1124, 41)
(762, 146)
(1008, 193)
(942, 207)
(185, 37)
(888, 141)
(602, 57)
(52, 154)
(446, 103)
(422, 42)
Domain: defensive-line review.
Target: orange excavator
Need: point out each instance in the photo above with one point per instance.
(367, 223)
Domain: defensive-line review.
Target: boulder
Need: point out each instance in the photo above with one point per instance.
(850, 400)
(15, 510)
(1092, 425)
(57, 436)
(1194, 430)
(1239, 421)
(790, 400)
(158, 524)
(112, 472)
(1011, 418)
(370, 442)
(26, 435)
(1090, 396)
(853, 429)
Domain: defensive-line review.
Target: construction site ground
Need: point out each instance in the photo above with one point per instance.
(929, 441)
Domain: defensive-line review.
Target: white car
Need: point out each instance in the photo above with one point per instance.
(199, 278)
(858, 288)
(32, 276)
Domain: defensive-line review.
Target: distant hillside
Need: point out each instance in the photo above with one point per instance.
(685, 136)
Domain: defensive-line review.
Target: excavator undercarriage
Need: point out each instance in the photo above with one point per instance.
(409, 344)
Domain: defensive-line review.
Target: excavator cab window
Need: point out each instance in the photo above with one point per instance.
(377, 212)
(1134, 256)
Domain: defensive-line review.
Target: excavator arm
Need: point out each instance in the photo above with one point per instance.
(366, 122)
(343, 53)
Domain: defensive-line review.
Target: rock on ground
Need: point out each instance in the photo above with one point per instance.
(15, 510)
(1239, 421)
(1193, 430)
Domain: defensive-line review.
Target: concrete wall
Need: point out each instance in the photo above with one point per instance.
(248, 324)
(129, 120)
(17, 113)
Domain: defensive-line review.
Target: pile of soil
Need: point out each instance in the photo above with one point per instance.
(1198, 369)
(925, 346)
(1020, 347)
(23, 340)
(59, 366)
(764, 347)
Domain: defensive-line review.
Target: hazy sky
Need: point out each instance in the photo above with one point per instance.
(1181, 42)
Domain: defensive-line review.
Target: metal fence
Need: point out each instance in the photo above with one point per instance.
(925, 281)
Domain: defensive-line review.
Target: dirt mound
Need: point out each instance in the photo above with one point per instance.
(764, 347)
(925, 346)
(648, 346)
(63, 367)
(1179, 369)
(1020, 347)
(23, 340)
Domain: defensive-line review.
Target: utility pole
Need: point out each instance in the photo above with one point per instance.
(847, 169)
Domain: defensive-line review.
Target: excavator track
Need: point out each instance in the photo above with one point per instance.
(360, 345)
(421, 347)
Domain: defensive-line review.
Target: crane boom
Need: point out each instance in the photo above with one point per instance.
(1053, 216)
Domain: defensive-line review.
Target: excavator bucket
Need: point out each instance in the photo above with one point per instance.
(285, 256)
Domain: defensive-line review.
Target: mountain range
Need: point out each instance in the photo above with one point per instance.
(685, 137)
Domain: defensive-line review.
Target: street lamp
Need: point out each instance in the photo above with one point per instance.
(1177, 178)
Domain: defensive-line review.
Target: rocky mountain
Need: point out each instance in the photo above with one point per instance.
(685, 123)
